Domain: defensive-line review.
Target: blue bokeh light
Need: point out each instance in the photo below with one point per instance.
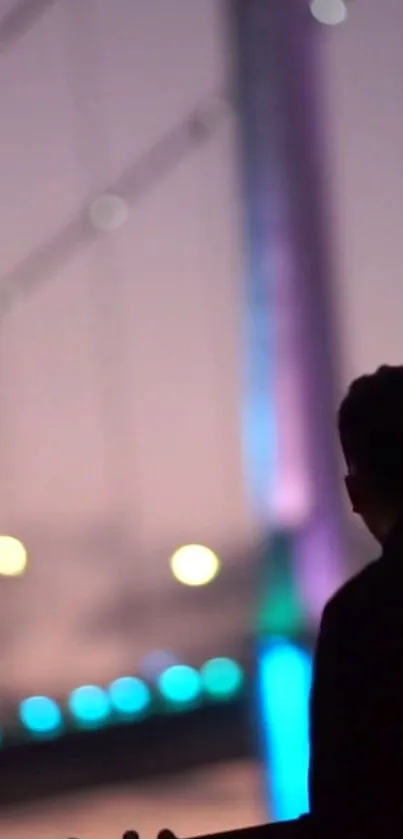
(180, 684)
(40, 715)
(129, 695)
(90, 705)
(222, 678)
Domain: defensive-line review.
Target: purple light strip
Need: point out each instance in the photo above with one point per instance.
(292, 490)
(290, 272)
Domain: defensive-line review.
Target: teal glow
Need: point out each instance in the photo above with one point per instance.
(89, 704)
(280, 612)
(40, 715)
(222, 678)
(180, 684)
(129, 695)
(285, 674)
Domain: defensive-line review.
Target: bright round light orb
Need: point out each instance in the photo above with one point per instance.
(195, 565)
(40, 714)
(108, 213)
(329, 12)
(13, 557)
(222, 678)
(180, 684)
(130, 695)
(89, 704)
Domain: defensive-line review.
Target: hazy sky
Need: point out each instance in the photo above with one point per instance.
(120, 372)
(363, 71)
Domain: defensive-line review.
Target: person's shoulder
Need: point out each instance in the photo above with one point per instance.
(357, 592)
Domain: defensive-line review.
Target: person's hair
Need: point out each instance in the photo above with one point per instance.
(370, 424)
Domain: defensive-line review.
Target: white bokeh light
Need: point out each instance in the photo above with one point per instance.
(108, 213)
(195, 565)
(329, 12)
(13, 557)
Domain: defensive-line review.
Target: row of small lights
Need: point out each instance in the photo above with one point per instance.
(130, 698)
(192, 565)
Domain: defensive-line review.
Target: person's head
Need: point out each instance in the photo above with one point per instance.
(371, 433)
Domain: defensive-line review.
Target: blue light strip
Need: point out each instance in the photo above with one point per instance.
(285, 673)
(259, 420)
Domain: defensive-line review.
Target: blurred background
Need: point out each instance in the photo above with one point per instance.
(201, 246)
